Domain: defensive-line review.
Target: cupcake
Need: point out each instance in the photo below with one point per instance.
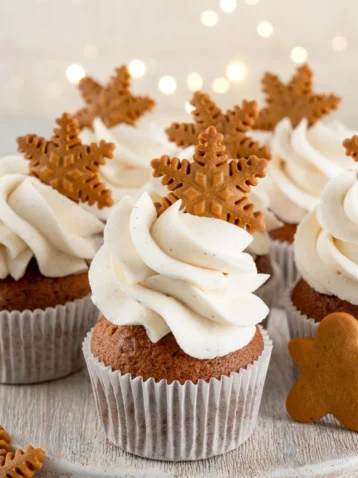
(177, 361)
(112, 114)
(306, 153)
(325, 247)
(47, 241)
(235, 125)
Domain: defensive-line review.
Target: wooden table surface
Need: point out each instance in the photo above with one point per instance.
(60, 417)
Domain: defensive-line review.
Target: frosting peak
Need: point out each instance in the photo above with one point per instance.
(129, 172)
(37, 221)
(304, 160)
(180, 273)
(326, 242)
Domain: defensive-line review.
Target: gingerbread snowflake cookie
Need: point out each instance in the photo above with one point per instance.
(67, 165)
(212, 186)
(113, 102)
(233, 125)
(295, 100)
(21, 463)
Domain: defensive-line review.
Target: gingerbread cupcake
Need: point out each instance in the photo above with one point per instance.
(179, 330)
(325, 246)
(47, 241)
(112, 113)
(236, 126)
(306, 153)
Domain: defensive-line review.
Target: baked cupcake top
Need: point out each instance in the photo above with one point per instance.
(186, 272)
(306, 151)
(39, 212)
(113, 114)
(326, 242)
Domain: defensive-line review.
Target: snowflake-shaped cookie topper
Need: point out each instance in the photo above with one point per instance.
(295, 100)
(113, 103)
(68, 165)
(351, 145)
(211, 186)
(234, 125)
(22, 463)
(328, 381)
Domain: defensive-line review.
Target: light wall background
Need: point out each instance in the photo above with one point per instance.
(41, 38)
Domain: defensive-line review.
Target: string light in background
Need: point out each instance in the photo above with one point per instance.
(75, 73)
(194, 81)
(167, 85)
(236, 71)
(339, 43)
(90, 52)
(251, 2)
(264, 29)
(220, 85)
(227, 6)
(209, 18)
(188, 107)
(298, 54)
(137, 68)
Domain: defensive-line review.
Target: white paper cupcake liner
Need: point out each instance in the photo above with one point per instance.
(282, 254)
(178, 422)
(299, 325)
(268, 292)
(41, 345)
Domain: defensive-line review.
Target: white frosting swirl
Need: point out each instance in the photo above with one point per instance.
(303, 161)
(37, 221)
(178, 273)
(326, 242)
(258, 196)
(129, 171)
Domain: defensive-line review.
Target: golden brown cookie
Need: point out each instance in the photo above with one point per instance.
(113, 102)
(211, 186)
(21, 464)
(69, 166)
(295, 100)
(351, 146)
(234, 125)
(328, 380)
(5, 442)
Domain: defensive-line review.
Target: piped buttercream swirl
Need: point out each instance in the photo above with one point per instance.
(129, 171)
(38, 222)
(326, 242)
(303, 161)
(179, 273)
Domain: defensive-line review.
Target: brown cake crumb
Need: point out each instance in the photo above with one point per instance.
(35, 291)
(128, 349)
(264, 265)
(316, 306)
(285, 233)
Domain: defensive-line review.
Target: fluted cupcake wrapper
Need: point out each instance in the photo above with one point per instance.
(178, 422)
(41, 345)
(268, 292)
(299, 325)
(282, 254)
